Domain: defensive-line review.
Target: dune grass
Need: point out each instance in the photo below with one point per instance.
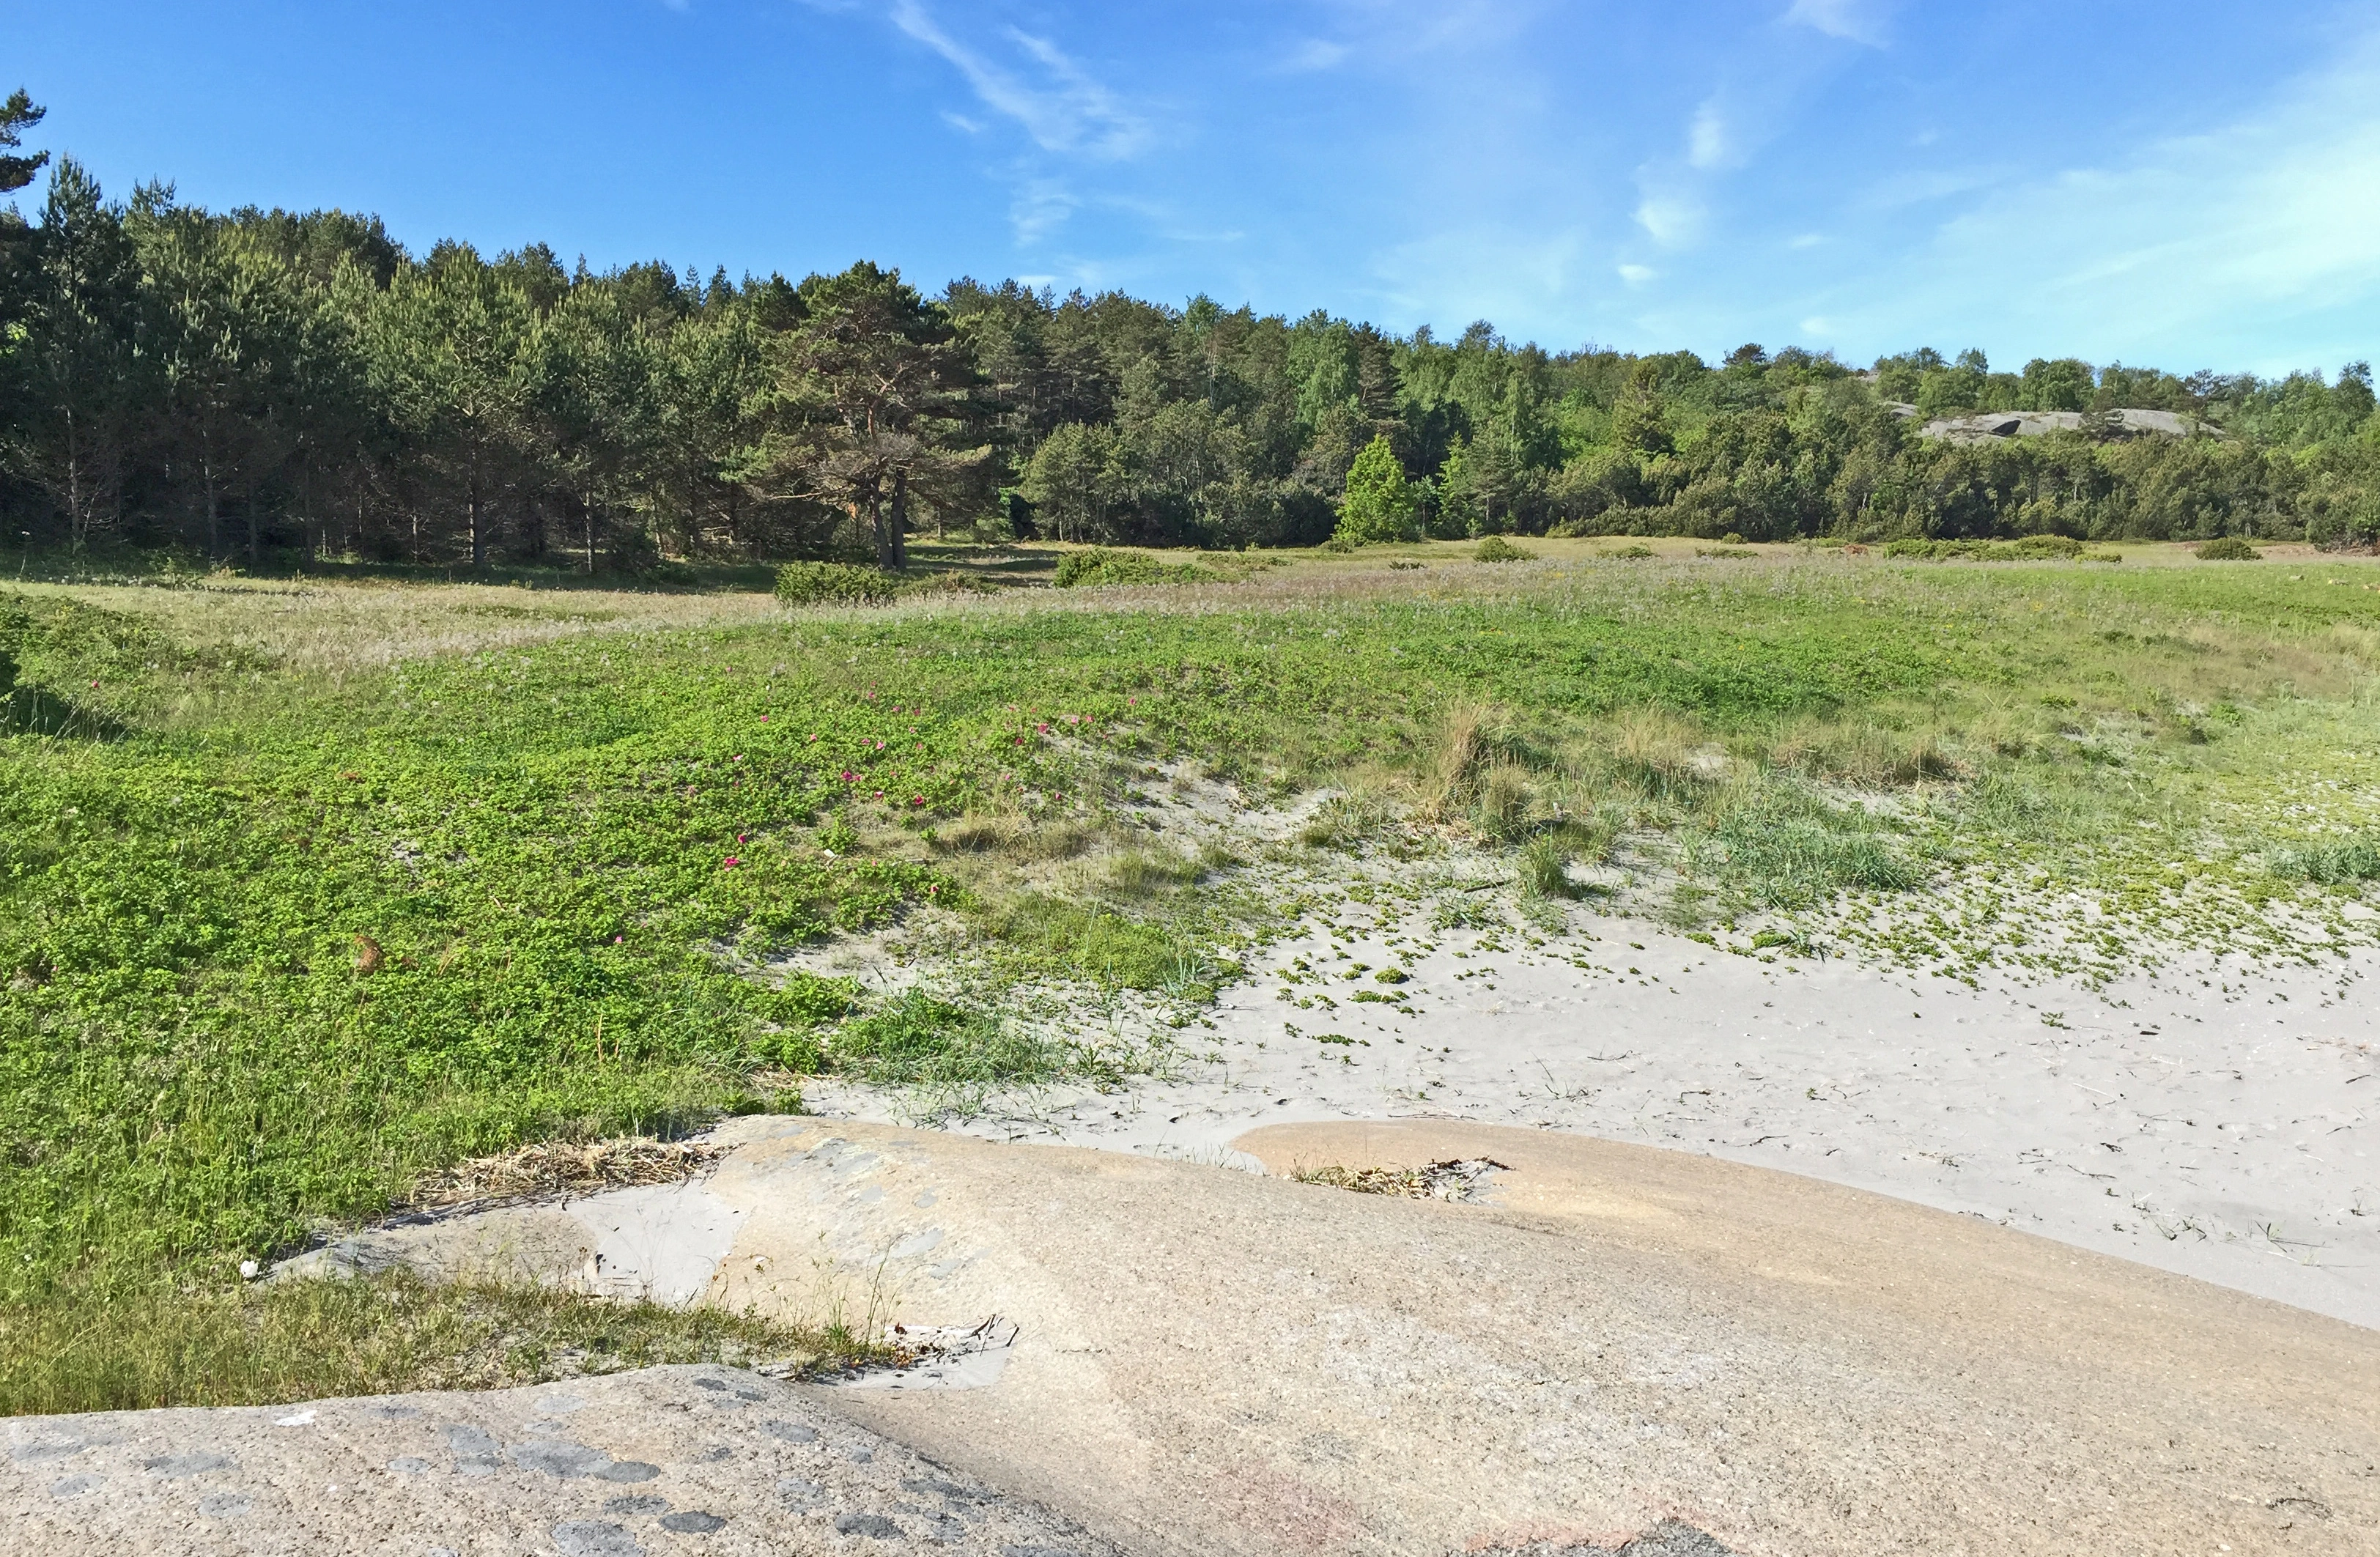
(299, 903)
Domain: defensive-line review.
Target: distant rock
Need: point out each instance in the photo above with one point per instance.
(1986, 426)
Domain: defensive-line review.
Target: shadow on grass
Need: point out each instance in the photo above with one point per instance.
(380, 1334)
(37, 711)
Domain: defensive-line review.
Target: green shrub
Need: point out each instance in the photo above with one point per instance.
(2030, 548)
(2228, 548)
(1496, 549)
(1098, 566)
(834, 583)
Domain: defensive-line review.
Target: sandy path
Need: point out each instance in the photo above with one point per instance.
(2218, 1125)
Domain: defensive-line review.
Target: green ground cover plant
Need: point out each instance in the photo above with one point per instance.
(291, 917)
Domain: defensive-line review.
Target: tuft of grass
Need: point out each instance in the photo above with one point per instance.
(922, 1039)
(1784, 850)
(2331, 862)
(382, 1335)
(1141, 873)
(1544, 870)
(1345, 823)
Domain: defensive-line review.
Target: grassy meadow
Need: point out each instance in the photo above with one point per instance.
(310, 888)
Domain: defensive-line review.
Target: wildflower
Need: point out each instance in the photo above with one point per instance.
(917, 800)
(879, 795)
(729, 863)
(814, 740)
(847, 775)
(740, 838)
(1042, 729)
(617, 939)
(764, 719)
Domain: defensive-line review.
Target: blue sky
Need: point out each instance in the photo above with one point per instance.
(2183, 182)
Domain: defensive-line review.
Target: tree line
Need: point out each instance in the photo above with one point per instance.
(263, 387)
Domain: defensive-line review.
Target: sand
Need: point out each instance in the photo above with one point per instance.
(2213, 1123)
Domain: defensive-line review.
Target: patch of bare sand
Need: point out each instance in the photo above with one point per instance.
(2214, 1122)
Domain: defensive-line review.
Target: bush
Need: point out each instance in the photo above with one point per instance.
(2228, 548)
(1496, 549)
(821, 583)
(1096, 565)
(2030, 548)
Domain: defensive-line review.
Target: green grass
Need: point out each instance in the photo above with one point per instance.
(568, 853)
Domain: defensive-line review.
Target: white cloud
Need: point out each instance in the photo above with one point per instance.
(1860, 21)
(1637, 275)
(1066, 110)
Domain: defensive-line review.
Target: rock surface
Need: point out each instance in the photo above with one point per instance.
(666, 1460)
(1604, 1344)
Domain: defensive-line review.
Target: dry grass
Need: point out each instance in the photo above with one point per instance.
(1454, 1179)
(344, 626)
(554, 1167)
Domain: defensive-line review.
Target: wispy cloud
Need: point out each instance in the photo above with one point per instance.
(1861, 21)
(1314, 53)
(1674, 217)
(1058, 104)
(1706, 141)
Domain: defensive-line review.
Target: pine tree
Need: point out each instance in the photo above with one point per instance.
(1379, 503)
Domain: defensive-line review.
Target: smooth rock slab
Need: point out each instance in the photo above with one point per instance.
(470, 1474)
